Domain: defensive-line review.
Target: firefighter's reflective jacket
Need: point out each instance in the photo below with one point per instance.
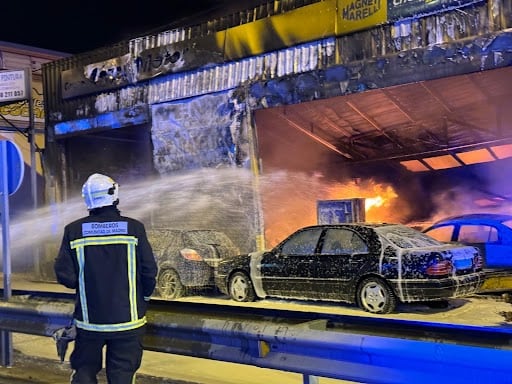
(107, 258)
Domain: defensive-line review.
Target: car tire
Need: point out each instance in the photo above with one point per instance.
(240, 287)
(374, 295)
(169, 285)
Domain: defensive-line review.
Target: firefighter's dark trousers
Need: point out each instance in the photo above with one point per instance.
(123, 355)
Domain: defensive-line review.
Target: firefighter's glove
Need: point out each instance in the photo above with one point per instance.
(62, 337)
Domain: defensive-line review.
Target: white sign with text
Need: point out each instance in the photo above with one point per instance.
(13, 85)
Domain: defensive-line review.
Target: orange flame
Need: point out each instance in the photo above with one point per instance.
(370, 202)
(293, 204)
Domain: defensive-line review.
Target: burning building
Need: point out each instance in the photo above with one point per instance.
(242, 123)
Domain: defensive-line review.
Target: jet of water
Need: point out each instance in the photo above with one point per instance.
(222, 199)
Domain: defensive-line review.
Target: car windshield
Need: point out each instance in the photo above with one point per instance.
(405, 237)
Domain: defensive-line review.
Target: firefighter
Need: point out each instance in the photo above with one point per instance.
(109, 262)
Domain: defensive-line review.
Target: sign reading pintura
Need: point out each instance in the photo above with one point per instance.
(14, 85)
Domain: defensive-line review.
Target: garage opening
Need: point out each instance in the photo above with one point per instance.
(417, 152)
(125, 153)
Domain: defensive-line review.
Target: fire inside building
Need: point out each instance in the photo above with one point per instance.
(244, 122)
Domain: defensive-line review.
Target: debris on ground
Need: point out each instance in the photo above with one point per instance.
(507, 298)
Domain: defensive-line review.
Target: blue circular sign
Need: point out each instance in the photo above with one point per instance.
(14, 165)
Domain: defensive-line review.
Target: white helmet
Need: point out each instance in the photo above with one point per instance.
(100, 191)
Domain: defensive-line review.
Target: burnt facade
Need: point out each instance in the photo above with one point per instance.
(178, 101)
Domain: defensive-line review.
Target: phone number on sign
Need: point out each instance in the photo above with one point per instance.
(11, 94)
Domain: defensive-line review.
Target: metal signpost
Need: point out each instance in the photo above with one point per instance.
(12, 169)
(15, 85)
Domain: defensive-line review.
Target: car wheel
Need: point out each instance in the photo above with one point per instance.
(169, 285)
(240, 287)
(375, 296)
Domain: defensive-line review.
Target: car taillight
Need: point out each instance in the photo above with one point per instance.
(440, 268)
(478, 262)
(190, 254)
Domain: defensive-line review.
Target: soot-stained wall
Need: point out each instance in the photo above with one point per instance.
(201, 147)
(196, 133)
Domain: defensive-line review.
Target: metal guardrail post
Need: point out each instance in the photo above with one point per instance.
(5, 336)
(310, 379)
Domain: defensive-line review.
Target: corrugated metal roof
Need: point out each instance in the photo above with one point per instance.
(441, 123)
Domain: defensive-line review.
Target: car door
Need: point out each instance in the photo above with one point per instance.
(288, 270)
(343, 256)
(335, 251)
(486, 238)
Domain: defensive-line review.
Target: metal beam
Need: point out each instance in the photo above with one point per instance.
(373, 123)
(317, 138)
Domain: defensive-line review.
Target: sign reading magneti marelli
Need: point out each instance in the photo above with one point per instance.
(355, 15)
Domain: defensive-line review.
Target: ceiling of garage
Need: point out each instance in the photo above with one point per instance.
(427, 125)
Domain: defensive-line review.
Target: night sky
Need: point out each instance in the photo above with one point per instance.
(79, 26)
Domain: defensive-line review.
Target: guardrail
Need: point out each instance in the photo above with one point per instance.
(312, 348)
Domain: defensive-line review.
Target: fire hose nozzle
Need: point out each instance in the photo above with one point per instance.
(62, 337)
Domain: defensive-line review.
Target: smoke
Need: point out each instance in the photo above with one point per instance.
(460, 201)
(315, 172)
(232, 200)
(480, 188)
(303, 171)
(289, 200)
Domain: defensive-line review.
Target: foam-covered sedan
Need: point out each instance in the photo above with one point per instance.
(187, 258)
(375, 266)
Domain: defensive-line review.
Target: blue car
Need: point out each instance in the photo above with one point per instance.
(492, 234)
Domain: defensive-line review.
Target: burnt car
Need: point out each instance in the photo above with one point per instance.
(187, 259)
(492, 234)
(375, 266)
